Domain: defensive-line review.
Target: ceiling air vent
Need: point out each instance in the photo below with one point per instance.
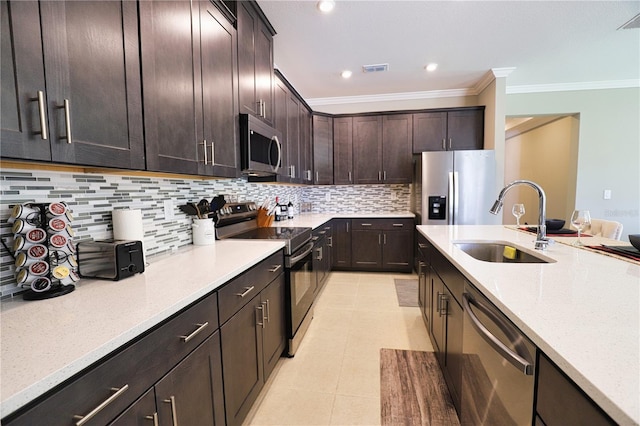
(633, 23)
(375, 68)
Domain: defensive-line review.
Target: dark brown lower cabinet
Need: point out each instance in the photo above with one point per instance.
(559, 401)
(189, 394)
(341, 247)
(252, 341)
(382, 244)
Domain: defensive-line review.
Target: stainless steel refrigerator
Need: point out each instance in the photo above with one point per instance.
(455, 188)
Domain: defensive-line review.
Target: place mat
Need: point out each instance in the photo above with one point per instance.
(615, 252)
(413, 390)
(557, 232)
(407, 291)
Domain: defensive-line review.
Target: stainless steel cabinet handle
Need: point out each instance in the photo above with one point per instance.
(201, 327)
(247, 290)
(449, 144)
(67, 120)
(44, 134)
(365, 224)
(267, 310)
(204, 144)
(174, 414)
(379, 239)
(330, 242)
(398, 225)
(213, 153)
(153, 417)
(84, 419)
(516, 359)
(379, 175)
(347, 227)
(317, 177)
(444, 144)
(261, 309)
(309, 175)
(444, 306)
(384, 237)
(421, 245)
(274, 269)
(350, 177)
(384, 175)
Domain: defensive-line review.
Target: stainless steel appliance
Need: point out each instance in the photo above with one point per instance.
(110, 259)
(260, 148)
(498, 366)
(455, 188)
(239, 221)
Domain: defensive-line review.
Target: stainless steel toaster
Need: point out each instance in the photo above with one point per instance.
(110, 259)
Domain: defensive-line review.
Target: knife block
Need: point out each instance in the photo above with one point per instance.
(263, 219)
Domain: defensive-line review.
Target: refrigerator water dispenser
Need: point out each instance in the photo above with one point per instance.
(437, 207)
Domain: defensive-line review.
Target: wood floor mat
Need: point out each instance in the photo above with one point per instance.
(407, 291)
(413, 390)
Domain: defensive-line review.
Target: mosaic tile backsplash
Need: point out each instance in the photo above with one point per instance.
(93, 197)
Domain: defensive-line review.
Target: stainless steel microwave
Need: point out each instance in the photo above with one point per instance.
(260, 147)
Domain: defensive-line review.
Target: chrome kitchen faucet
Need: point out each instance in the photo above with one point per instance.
(541, 239)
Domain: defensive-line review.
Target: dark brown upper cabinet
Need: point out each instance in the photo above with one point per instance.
(255, 61)
(322, 150)
(71, 83)
(382, 148)
(447, 130)
(343, 150)
(189, 78)
(306, 145)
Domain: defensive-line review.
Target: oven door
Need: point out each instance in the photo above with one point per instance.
(301, 286)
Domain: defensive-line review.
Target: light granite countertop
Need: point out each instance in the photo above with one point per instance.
(583, 311)
(314, 220)
(46, 342)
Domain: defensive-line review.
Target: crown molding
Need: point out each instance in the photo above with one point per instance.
(404, 96)
(490, 76)
(568, 87)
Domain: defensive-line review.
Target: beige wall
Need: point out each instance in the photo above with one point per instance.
(608, 151)
(545, 155)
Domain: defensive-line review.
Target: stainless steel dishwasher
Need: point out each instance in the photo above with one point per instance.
(498, 366)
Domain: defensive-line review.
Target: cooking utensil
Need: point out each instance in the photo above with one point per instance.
(217, 203)
(189, 209)
(203, 207)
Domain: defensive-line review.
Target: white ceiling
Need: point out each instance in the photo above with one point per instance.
(551, 44)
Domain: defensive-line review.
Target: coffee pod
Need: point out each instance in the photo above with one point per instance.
(41, 284)
(22, 211)
(24, 277)
(39, 268)
(24, 261)
(20, 242)
(68, 215)
(22, 226)
(73, 277)
(60, 272)
(56, 209)
(58, 241)
(37, 251)
(57, 225)
(36, 235)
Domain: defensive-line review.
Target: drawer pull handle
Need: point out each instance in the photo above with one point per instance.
(247, 290)
(274, 269)
(398, 225)
(365, 224)
(201, 327)
(154, 417)
(84, 419)
(422, 245)
(261, 309)
(174, 414)
(43, 118)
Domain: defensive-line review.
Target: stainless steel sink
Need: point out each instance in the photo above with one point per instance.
(500, 252)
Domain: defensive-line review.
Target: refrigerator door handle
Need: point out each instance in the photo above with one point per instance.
(456, 197)
(451, 195)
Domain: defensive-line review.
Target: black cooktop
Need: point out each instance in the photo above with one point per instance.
(294, 237)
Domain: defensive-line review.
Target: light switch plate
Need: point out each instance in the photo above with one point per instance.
(606, 194)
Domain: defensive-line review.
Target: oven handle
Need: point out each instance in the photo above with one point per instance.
(308, 248)
(517, 359)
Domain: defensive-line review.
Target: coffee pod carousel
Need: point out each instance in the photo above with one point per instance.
(43, 249)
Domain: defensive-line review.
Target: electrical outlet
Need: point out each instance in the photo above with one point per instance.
(606, 194)
(327, 196)
(168, 210)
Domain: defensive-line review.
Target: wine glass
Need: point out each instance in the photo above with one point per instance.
(581, 220)
(518, 212)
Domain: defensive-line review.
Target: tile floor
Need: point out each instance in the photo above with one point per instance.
(334, 379)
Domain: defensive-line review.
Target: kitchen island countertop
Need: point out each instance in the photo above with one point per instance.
(314, 220)
(583, 311)
(46, 342)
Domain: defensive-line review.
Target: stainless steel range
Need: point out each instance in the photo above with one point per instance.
(239, 221)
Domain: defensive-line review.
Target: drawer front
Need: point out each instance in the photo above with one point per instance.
(239, 291)
(125, 376)
(383, 224)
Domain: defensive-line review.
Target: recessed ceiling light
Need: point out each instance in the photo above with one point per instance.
(346, 74)
(431, 67)
(326, 6)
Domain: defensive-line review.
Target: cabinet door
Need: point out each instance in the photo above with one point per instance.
(397, 250)
(140, 413)
(264, 70)
(322, 150)
(187, 394)
(367, 251)
(280, 121)
(168, 77)
(453, 353)
(273, 304)
(22, 78)
(92, 71)
(247, 24)
(465, 129)
(439, 321)
(243, 370)
(293, 137)
(218, 96)
(429, 131)
(367, 149)
(341, 255)
(343, 150)
(306, 147)
(397, 131)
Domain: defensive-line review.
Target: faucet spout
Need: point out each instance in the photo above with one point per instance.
(541, 239)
